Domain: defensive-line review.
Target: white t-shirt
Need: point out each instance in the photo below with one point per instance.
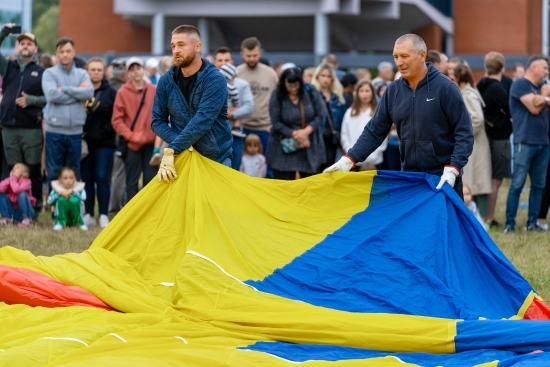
(254, 165)
(352, 128)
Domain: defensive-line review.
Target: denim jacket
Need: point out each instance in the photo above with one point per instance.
(201, 123)
(337, 112)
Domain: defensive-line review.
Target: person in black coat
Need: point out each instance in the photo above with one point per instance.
(297, 115)
(100, 138)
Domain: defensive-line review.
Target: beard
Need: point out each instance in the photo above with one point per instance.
(252, 64)
(25, 53)
(185, 61)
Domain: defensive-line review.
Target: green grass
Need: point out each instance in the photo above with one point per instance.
(529, 252)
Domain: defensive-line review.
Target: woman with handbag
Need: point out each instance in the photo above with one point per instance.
(325, 80)
(296, 143)
(99, 135)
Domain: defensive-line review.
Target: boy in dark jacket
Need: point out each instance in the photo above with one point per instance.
(433, 125)
(193, 93)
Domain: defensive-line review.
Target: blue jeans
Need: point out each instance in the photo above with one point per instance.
(238, 147)
(24, 210)
(227, 162)
(532, 160)
(96, 173)
(62, 150)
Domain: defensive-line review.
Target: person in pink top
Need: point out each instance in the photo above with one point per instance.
(16, 200)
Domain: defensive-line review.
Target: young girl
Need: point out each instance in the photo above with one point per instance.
(253, 162)
(16, 200)
(355, 120)
(67, 196)
(467, 193)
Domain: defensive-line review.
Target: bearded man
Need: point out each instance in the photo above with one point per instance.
(190, 109)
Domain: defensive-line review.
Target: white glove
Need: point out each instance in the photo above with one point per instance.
(190, 148)
(449, 176)
(344, 164)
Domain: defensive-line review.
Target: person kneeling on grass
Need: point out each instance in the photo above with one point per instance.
(16, 200)
(67, 196)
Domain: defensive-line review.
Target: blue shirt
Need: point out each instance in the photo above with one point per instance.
(528, 128)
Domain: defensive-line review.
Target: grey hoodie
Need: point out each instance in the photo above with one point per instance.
(65, 111)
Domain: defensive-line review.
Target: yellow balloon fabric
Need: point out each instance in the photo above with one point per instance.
(174, 262)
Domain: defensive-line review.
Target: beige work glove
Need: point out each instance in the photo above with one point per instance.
(167, 171)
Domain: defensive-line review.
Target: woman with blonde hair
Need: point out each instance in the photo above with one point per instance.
(326, 82)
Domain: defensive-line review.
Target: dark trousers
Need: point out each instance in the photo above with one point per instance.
(290, 175)
(458, 187)
(545, 203)
(4, 170)
(136, 163)
(96, 173)
(62, 150)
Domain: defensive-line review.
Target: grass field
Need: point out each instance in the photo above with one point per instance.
(529, 252)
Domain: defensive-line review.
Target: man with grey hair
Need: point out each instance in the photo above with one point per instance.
(433, 125)
(385, 73)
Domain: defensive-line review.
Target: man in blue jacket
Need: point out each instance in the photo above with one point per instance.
(190, 108)
(433, 125)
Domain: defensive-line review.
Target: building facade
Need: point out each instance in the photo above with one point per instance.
(359, 32)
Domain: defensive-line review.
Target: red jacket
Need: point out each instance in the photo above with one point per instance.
(125, 109)
(12, 186)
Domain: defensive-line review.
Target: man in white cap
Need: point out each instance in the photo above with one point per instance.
(152, 76)
(21, 109)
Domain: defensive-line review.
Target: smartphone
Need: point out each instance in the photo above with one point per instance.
(16, 29)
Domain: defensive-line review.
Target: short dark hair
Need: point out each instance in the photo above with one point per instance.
(45, 60)
(433, 56)
(63, 41)
(533, 59)
(187, 29)
(65, 168)
(223, 50)
(251, 43)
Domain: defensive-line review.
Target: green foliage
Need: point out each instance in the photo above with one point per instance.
(46, 29)
(39, 7)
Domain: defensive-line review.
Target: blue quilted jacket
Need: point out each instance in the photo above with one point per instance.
(202, 122)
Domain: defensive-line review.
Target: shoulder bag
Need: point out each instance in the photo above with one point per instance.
(290, 144)
(122, 146)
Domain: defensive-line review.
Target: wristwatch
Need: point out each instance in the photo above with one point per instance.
(547, 99)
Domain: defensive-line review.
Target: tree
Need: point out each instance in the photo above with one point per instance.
(40, 7)
(46, 29)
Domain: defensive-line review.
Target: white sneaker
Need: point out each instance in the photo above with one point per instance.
(89, 220)
(84, 227)
(103, 220)
(57, 227)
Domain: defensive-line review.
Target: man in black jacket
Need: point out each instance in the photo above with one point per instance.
(433, 125)
(21, 109)
(498, 125)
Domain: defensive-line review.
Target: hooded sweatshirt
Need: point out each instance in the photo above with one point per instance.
(432, 123)
(65, 111)
(126, 106)
(201, 123)
(497, 109)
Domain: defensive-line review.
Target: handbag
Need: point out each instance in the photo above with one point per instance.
(291, 145)
(122, 146)
(335, 137)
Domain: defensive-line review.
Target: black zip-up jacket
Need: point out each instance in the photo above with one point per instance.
(17, 78)
(497, 109)
(433, 125)
(98, 131)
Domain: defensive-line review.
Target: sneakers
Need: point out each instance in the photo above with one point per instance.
(26, 222)
(58, 227)
(544, 226)
(6, 221)
(534, 228)
(509, 229)
(89, 220)
(155, 159)
(237, 131)
(103, 220)
(83, 227)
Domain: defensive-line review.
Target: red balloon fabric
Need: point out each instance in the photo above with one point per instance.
(23, 286)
